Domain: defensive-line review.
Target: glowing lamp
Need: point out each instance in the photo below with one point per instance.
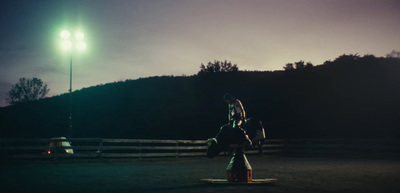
(71, 44)
(65, 34)
(80, 45)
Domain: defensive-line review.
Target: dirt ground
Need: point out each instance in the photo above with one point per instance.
(183, 175)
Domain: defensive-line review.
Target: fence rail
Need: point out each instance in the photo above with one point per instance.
(143, 148)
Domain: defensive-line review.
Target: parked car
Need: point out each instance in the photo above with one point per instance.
(53, 146)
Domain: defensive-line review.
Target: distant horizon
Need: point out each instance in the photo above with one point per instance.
(350, 97)
(188, 75)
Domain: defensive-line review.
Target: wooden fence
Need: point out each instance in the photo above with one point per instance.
(101, 148)
(143, 148)
(377, 148)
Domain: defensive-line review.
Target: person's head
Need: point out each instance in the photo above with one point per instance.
(228, 98)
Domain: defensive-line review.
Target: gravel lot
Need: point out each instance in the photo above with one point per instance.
(183, 175)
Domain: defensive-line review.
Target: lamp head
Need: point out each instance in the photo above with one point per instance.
(80, 45)
(65, 34)
(68, 43)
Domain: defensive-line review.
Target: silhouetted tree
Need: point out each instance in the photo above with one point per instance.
(299, 65)
(345, 59)
(288, 66)
(218, 66)
(327, 62)
(393, 54)
(27, 89)
(309, 65)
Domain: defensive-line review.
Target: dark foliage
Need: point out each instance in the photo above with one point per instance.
(350, 97)
(309, 65)
(218, 66)
(27, 89)
(300, 65)
(289, 66)
(393, 54)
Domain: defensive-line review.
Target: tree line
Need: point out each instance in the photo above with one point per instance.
(29, 89)
(350, 97)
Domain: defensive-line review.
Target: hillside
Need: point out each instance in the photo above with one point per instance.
(351, 97)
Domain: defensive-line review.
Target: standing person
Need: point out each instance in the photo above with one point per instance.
(237, 120)
(236, 113)
(231, 133)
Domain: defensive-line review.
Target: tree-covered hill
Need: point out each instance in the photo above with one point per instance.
(350, 97)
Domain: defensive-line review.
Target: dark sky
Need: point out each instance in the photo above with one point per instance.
(132, 39)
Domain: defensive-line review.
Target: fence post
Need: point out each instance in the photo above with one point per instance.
(101, 148)
(260, 148)
(177, 150)
(140, 149)
(55, 150)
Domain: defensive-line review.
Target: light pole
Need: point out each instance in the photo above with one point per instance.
(71, 44)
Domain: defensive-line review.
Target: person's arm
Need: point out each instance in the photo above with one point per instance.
(239, 113)
(229, 113)
(239, 109)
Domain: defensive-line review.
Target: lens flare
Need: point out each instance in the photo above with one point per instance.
(65, 34)
(79, 35)
(80, 45)
(66, 44)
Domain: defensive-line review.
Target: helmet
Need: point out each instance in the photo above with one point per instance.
(228, 96)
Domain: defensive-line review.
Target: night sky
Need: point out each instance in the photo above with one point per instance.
(132, 39)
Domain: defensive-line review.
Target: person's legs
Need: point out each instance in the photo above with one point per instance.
(242, 137)
(212, 148)
(220, 142)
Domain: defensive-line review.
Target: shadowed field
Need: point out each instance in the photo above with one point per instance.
(183, 175)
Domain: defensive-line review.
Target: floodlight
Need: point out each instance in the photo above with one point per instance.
(65, 34)
(80, 45)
